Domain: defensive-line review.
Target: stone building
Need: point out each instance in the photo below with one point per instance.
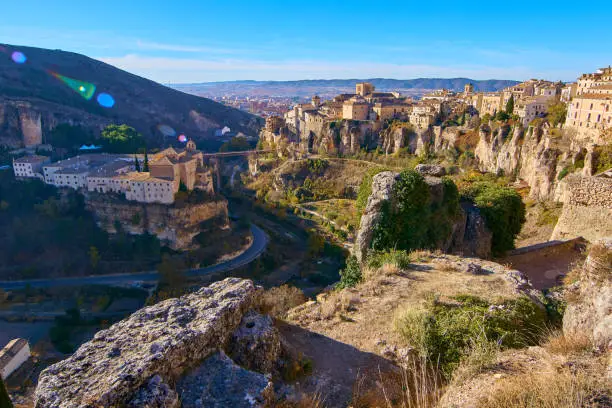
(13, 355)
(364, 88)
(114, 173)
(29, 166)
(590, 111)
(530, 108)
(356, 109)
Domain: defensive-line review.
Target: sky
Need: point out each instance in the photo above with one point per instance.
(193, 41)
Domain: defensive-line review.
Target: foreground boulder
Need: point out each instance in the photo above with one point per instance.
(134, 359)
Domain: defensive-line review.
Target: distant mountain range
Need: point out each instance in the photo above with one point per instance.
(41, 88)
(302, 88)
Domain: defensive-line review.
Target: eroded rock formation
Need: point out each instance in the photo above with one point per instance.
(139, 358)
(469, 234)
(175, 224)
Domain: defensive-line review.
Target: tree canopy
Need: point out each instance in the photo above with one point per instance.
(556, 113)
(121, 139)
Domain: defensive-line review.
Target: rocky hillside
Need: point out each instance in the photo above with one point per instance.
(369, 345)
(33, 100)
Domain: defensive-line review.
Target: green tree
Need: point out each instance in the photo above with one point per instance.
(5, 399)
(121, 139)
(502, 116)
(136, 164)
(556, 113)
(510, 106)
(236, 144)
(146, 162)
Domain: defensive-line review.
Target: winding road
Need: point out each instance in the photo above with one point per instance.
(260, 241)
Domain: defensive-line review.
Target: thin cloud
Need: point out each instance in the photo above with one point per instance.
(147, 45)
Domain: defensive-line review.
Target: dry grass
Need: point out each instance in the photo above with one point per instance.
(563, 389)
(303, 401)
(417, 385)
(566, 344)
(446, 266)
(278, 301)
(337, 303)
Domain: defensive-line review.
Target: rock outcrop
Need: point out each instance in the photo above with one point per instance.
(469, 234)
(138, 358)
(175, 225)
(589, 308)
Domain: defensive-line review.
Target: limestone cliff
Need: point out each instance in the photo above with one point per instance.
(176, 225)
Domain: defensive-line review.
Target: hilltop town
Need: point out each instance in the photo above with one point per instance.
(587, 99)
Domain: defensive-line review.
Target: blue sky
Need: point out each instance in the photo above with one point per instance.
(209, 40)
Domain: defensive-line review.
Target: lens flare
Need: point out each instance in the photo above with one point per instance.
(19, 57)
(182, 138)
(85, 89)
(166, 130)
(106, 100)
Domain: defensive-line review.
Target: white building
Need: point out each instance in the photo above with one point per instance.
(29, 166)
(530, 108)
(13, 355)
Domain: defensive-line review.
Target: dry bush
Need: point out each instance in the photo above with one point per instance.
(422, 255)
(390, 269)
(417, 385)
(566, 344)
(278, 301)
(338, 303)
(446, 266)
(598, 266)
(562, 389)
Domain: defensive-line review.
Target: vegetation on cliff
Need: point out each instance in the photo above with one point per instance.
(410, 220)
(503, 209)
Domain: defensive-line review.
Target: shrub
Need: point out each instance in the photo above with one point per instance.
(503, 210)
(277, 301)
(401, 259)
(351, 274)
(449, 332)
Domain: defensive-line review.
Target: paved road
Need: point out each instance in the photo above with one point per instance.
(260, 240)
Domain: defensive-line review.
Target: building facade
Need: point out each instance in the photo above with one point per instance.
(13, 355)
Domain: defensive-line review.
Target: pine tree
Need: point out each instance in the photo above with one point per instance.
(146, 162)
(5, 399)
(136, 164)
(510, 105)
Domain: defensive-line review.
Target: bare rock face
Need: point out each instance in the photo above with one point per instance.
(434, 170)
(256, 343)
(220, 383)
(162, 340)
(589, 309)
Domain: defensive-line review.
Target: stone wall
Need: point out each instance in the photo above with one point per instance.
(587, 209)
(176, 225)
